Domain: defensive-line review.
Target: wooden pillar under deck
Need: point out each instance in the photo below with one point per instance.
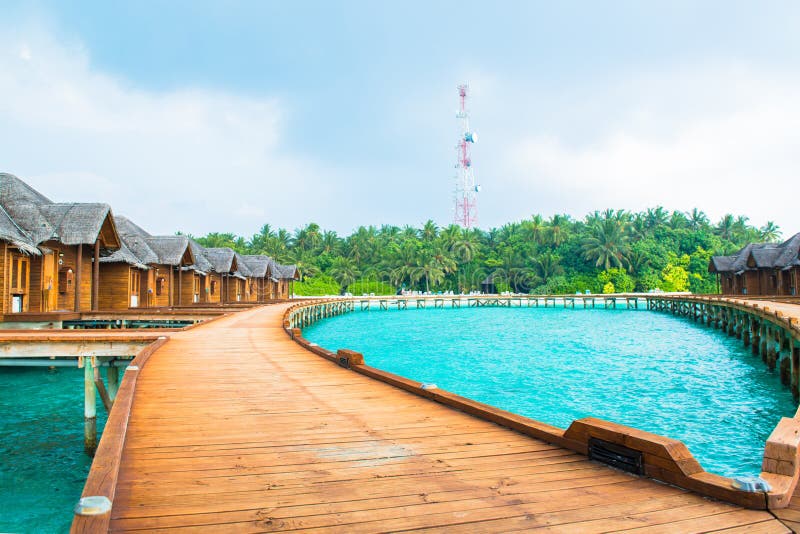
(89, 408)
(112, 376)
(78, 269)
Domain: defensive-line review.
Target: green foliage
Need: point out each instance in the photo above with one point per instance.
(675, 277)
(367, 287)
(609, 288)
(316, 287)
(618, 278)
(653, 249)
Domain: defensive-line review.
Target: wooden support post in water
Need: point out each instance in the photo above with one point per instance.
(89, 408)
(112, 376)
(101, 389)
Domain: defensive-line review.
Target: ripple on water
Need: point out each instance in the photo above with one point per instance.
(648, 370)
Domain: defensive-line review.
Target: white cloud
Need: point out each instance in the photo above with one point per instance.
(192, 159)
(723, 139)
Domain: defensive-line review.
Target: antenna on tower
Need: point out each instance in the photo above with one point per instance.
(466, 192)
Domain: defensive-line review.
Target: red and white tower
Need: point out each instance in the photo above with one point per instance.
(466, 193)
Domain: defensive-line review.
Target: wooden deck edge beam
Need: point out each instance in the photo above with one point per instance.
(70, 348)
(102, 479)
(664, 458)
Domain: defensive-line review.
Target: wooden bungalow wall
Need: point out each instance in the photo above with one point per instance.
(187, 288)
(213, 297)
(4, 282)
(760, 282)
(115, 279)
(66, 296)
(169, 281)
(44, 281)
(235, 289)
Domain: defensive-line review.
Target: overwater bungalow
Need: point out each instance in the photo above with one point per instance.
(225, 276)
(760, 269)
(51, 250)
(145, 271)
(259, 282)
(198, 290)
(282, 277)
(80, 257)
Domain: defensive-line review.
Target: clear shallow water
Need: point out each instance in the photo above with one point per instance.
(43, 467)
(644, 369)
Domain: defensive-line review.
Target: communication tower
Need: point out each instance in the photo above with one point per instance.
(466, 192)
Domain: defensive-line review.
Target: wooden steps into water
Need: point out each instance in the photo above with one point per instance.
(235, 428)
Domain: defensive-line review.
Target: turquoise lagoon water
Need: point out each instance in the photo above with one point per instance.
(644, 369)
(43, 467)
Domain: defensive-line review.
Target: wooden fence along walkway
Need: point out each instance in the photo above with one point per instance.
(233, 427)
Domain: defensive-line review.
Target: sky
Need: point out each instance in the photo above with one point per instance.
(200, 116)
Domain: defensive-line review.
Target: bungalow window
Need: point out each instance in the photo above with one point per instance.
(65, 280)
(19, 275)
(19, 283)
(213, 287)
(773, 280)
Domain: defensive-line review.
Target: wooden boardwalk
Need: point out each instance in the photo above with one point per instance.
(235, 428)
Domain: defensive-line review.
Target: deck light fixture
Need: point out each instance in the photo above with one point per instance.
(751, 484)
(94, 505)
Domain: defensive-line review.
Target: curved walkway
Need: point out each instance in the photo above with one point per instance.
(235, 428)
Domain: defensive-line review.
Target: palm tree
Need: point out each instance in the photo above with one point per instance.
(606, 245)
(429, 231)
(534, 229)
(464, 246)
(308, 238)
(770, 232)
(330, 242)
(428, 267)
(558, 229)
(344, 271)
(697, 219)
(655, 217)
(725, 227)
(547, 265)
(678, 220)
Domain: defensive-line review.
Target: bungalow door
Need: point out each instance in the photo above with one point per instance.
(20, 280)
(136, 282)
(196, 288)
(50, 281)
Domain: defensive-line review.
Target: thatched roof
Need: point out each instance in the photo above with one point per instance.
(241, 266)
(12, 189)
(126, 226)
(43, 220)
(789, 252)
(222, 259)
(123, 255)
(721, 264)
(257, 264)
(150, 249)
(283, 272)
(759, 256)
(201, 263)
(171, 249)
(10, 232)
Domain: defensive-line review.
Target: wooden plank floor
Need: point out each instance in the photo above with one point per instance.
(235, 428)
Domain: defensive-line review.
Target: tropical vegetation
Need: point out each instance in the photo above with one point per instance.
(608, 251)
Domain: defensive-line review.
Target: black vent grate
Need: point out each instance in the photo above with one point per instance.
(616, 456)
